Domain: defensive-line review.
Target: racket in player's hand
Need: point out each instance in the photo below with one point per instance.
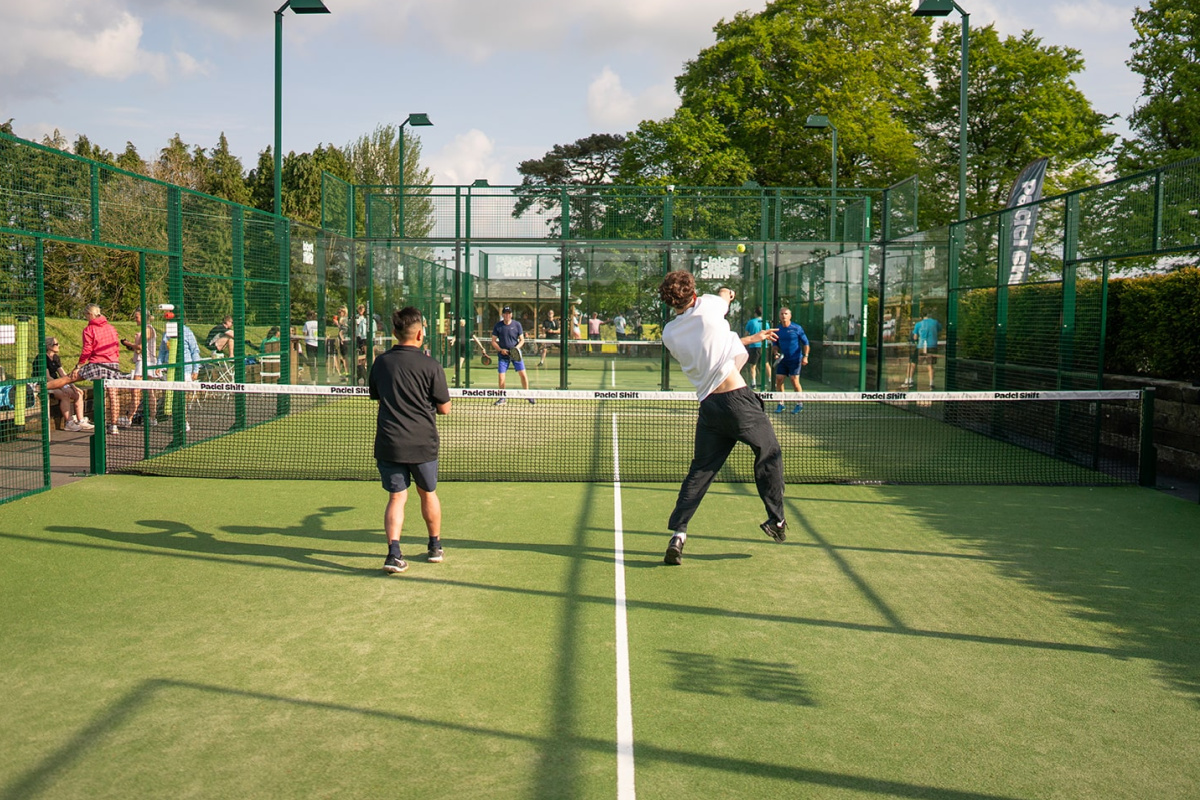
(485, 359)
(514, 355)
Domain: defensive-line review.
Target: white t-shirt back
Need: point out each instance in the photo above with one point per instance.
(708, 352)
(310, 333)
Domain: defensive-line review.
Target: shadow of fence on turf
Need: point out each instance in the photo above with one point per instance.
(1123, 560)
(89, 741)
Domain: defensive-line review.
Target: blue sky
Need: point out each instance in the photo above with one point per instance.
(503, 80)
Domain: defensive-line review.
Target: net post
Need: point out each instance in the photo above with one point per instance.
(1148, 453)
(99, 445)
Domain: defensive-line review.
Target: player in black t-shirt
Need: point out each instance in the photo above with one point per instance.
(551, 329)
(411, 390)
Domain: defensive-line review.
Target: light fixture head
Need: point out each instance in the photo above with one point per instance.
(817, 121)
(308, 7)
(418, 120)
(934, 8)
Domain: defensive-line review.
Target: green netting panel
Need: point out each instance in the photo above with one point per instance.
(24, 466)
(1180, 219)
(44, 191)
(133, 210)
(506, 213)
(337, 205)
(900, 209)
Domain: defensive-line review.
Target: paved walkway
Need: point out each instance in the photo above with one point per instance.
(69, 457)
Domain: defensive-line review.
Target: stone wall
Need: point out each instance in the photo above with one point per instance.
(1176, 423)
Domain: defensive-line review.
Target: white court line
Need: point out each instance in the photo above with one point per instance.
(625, 783)
(614, 375)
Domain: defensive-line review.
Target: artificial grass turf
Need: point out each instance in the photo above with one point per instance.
(170, 637)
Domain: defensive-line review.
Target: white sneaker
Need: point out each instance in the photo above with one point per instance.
(84, 425)
(72, 425)
(123, 422)
(113, 430)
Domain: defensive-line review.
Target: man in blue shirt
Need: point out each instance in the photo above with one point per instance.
(792, 346)
(507, 337)
(753, 328)
(925, 346)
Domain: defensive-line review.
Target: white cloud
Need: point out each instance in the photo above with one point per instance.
(1094, 15)
(189, 66)
(470, 156)
(611, 106)
(479, 29)
(47, 43)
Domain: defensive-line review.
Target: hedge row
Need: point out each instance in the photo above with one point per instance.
(1153, 326)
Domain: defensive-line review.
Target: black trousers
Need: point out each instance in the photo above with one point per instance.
(726, 419)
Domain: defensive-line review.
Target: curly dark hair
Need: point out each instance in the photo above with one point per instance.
(677, 289)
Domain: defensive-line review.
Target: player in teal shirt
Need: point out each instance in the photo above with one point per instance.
(925, 346)
(753, 328)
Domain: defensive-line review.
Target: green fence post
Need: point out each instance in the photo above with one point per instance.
(98, 463)
(957, 231)
(95, 198)
(1003, 266)
(1156, 234)
(43, 393)
(239, 314)
(1148, 455)
(864, 278)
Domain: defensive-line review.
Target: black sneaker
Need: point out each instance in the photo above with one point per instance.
(776, 530)
(394, 564)
(435, 554)
(674, 555)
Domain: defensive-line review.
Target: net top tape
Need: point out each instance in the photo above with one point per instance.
(615, 394)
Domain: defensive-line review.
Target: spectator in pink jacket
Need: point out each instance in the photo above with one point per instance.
(100, 358)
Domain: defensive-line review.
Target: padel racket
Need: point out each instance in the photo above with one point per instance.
(514, 355)
(484, 358)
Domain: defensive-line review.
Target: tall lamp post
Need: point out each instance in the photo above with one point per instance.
(298, 7)
(417, 121)
(942, 8)
(822, 121)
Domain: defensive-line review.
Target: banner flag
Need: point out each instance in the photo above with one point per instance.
(1026, 191)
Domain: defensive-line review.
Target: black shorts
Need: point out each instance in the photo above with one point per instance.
(396, 477)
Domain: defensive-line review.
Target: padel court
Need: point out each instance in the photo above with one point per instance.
(175, 637)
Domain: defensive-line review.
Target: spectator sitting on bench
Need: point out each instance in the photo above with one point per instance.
(70, 399)
(220, 338)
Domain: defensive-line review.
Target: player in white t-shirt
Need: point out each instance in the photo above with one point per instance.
(711, 356)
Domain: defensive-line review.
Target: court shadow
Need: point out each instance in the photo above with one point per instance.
(656, 559)
(1125, 558)
(768, 682)
(312, 526)
(40, 779)
(183, 540)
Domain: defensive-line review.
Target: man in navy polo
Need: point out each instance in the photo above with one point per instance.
(508, 337)
(411, 390)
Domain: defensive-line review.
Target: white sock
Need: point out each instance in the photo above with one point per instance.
(681, 534)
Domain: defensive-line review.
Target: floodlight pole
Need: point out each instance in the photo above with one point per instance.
(942, 8)
(822, 121)
(298, 7)
(416, 120)
(962, 117)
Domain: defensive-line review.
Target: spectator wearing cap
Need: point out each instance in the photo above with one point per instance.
(508, 337)
(100, 357)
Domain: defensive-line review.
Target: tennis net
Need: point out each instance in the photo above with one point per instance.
(327, 432)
